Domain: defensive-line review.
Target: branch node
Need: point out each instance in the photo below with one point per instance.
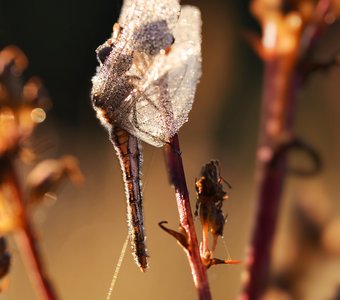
(286, 145)
(180, 236)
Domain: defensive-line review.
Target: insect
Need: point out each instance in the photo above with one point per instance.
(144, 88)
(210, 198)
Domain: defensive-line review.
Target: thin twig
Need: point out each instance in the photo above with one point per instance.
(177, 177)
(26, 240)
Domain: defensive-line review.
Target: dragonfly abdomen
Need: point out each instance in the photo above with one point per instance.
(128, 150)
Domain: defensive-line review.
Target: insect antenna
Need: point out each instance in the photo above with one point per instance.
(220, 177)
(226, 182)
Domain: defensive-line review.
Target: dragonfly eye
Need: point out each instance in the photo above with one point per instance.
(103, 52)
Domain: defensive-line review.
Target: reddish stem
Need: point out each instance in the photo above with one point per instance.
(278, 112)
(281, 82)
(177, 177)
(26, 240)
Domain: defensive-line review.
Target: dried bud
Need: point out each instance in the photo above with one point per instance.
(21, 105)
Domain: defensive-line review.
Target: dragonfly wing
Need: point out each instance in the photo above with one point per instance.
(164, 96)
(137, 13)
(145, 27)
(150, 22)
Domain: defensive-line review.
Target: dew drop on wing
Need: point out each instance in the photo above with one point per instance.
(110, 85)
(110, 101)
(166, 91)
(152, 37)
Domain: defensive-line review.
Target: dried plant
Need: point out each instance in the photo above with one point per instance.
(290, 30)
(22, 107)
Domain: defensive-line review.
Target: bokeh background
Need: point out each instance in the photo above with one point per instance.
(83, 232)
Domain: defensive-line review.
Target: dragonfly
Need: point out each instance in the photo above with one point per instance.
(144, 88)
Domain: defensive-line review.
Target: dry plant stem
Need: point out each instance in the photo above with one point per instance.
(26, 240)
(270, 177)
(177, 177)
(281, 83)
(277, 119)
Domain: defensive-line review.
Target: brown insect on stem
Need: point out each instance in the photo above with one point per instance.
(210, 197)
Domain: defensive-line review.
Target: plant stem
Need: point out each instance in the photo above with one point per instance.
(277, 119)
(177, 177)
(282, 81)
(26, 240)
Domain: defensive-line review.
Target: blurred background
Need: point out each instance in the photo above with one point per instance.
(82, 234)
